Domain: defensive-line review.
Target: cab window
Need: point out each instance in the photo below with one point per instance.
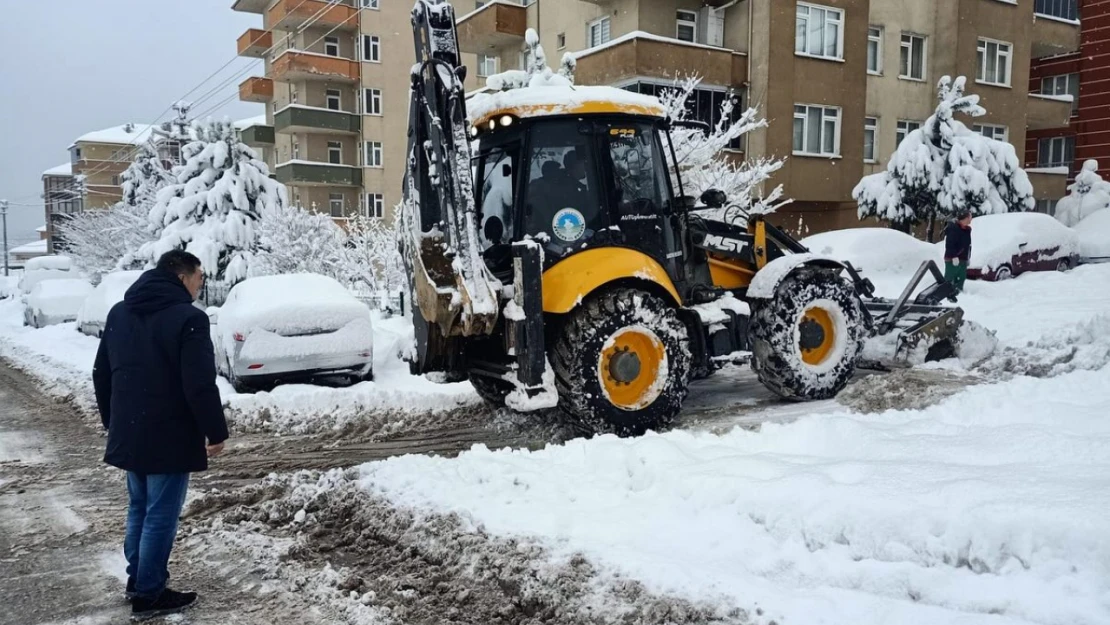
(561, 198)
(496, 176)
(639, 169)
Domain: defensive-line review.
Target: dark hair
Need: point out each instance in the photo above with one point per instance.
(179, 262)
(550, 168)
(962, 215)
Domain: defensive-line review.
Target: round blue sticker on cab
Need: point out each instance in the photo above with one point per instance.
(568, 224)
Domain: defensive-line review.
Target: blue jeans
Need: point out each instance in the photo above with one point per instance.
(156, 502)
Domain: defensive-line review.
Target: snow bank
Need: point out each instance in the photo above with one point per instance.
(108, 293)
(995, 239)
(873, 250)
(1088, 194)
(9, 286)
(969, 511)
(54, 263)
(1094, 235)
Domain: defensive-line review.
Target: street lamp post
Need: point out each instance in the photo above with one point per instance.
(4, 218)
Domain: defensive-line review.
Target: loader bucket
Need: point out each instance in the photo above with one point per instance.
(910, 331)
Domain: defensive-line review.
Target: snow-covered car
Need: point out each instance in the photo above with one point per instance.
(46, 268)
(1094, 236)
(288, 328)
(873, 249)
(1010, 244)
(110, 291)
(55, 301)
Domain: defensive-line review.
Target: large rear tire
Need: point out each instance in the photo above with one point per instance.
(622, 363)
(807, 338)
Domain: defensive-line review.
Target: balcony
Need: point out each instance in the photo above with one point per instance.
(1047, 112)
(292, 14)
(255, 43)
(651, 56)
(250, 6)
(258, 136)
(314, 174)
(295, 66)
(1053, 36)
(256, 89)
(493, 26)
(308, 119)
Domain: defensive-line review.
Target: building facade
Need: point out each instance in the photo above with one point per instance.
(839, 81)
(1083, 74)
(100, 157)
(61, 196)
(335, 86)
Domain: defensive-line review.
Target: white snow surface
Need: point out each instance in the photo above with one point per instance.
(289, 305)
(34, 248)
(1094, 235)
(56, 263)
(355, 336)
(108, 293)
(243, 124)
(764, 284)
(555, 100)
(59, 299)
(995, 239)
(880, 250)
(126, 134)
(65, 169)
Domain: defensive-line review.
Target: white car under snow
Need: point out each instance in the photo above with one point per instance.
(46, 268)
(1094, 235)
(1006, 245)
(55, 301)
(110, 291)
(288, 328)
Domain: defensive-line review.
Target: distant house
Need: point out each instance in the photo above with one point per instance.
(101, 156)
(24, 253)
(61, 196)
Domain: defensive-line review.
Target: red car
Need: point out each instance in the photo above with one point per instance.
(1007, 245)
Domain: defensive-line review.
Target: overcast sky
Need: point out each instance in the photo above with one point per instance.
(69, 67)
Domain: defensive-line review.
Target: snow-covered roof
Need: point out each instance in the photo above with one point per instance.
(34, 248)
(41, 228)
(65, 169)
(639, 34)
(243, 124)
(127, 134)
(541, 101)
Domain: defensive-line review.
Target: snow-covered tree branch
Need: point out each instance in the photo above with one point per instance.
(102, 241)
(944, 168)
(372, 256)
(294, 240)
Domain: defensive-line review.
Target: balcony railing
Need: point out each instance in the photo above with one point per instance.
(315, 174)
(256, 89)
(493, 26)
(642, 55)
(296, 65)
(292, 14)
(1047, 112)
(250, 6)
(255, 43)
(258, 136)
(307, 119)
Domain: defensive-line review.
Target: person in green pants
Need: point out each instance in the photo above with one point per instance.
(957, 249)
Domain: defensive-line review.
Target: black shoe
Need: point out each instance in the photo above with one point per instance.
(130, 592)
(169, 602)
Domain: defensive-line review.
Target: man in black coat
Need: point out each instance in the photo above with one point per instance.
(155, 381)
(957, 250)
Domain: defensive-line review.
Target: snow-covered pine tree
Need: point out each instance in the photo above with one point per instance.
(211, 211)
(944, 168)
(144, 178)
(1088, 194)
(292, 239)
(702, 161)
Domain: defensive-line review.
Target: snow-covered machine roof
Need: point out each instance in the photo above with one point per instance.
(542, 101)
(127, 134)
(65, 169)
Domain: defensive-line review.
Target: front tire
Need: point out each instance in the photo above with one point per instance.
(622, 363)
(1003, 273)
(807, 338)
(1063, 265)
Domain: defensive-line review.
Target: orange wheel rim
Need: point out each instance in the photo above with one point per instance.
(817, 335)
(631, 365)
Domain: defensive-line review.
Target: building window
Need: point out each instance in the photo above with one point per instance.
(334, 99)
(817, 31)
(994, 62)
(375, 205)
(990, 131)
(1063, 9)
(911, 62)
(870, 139)
(686, 26)
(488, 65)
(293, 96)
(296, 151)
(1056, 152)
(335, 205)
(903, 129)
(116, 181)
(372, 154)
(703, 104)
(331, 46)
(1066, 84)
(371, 49)
(816, 130)
(874, 50)
(335, 152)
(561, 40)
(1046, 206)
(372, 104)
(597, 32)
(370, 4)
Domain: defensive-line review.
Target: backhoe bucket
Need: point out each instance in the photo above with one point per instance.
(910, 331)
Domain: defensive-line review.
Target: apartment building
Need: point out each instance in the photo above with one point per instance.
(101, 156)
(840, 81)
(1083, 72)
(335, 85)
(61, 196)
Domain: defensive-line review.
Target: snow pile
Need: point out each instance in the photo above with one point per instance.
(1086, 196)
(1082, 347)
(1094, 235)
(9, 286)
(50, 263)
(57, 301)
(108, 293)
(944, 168)
(996, 239)
(969, 510)
(873, 250)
